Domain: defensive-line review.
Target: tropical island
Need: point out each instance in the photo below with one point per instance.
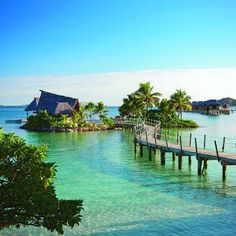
(53, 112)
(146, 104)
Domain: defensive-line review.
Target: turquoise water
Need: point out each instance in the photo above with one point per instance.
(128, 195)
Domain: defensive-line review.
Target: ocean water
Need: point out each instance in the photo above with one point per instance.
(128, 195)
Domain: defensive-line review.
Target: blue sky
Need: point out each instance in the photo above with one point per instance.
(55, 37)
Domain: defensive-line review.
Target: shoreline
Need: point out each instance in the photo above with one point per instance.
(70, 129)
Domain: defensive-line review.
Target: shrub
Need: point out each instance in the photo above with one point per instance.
(108, 121)
(39, 121)
(27, 193)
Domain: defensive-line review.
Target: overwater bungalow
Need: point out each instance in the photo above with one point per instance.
(225, 109)
(210, 107)
(54, 104)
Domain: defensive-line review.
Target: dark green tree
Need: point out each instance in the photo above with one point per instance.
(90, 107)
(167, 114)
(79, 117)
(132, 106)
(137, 104)
(39, 121)
(146, 95)
(181, 101)
(100, 109)
(27, 193)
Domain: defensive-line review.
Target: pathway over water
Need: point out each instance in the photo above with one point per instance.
(149, 133)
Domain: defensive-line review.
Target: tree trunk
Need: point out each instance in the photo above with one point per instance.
(179, 114)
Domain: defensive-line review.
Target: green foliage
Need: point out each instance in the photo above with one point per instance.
(132, 106)
(80, 117)
(90, 107)
(60, 121)
(108, 121)
(165, 114)
(27, 193)
(39, 121)
(100, 109)
(42, 121)
(170, 119)
(187, 124)
(147, 97)
(167, 111)
(138, 103)
(181, 101)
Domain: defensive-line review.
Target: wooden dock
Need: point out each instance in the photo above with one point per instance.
(148, 133)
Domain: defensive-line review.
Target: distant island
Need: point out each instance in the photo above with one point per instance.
(13, 106)
(229, 101)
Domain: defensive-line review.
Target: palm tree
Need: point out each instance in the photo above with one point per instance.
(181, 101)
(100, 109)
(64, 119)
(90, 107)
(79, 116)
(132, 106)
(167, 113)
(147, 96)
(166, 108)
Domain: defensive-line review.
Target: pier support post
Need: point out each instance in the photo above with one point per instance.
(141, 150)
(135, 146)
(217, 152)
(190, 145)
(173, 156)
(204, 143)
(199, 167)
(223, 145)
(180, 162)
(205, 165)
(150, 154)
(163, 158)
(223, 172)
(190, 140)
(189, 160)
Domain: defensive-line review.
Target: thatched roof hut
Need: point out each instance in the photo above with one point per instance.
(63, 108)
(33, 105)
(54, 104)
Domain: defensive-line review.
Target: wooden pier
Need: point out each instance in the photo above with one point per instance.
(149, 133)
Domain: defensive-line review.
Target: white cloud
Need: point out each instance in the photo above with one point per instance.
(201, 84)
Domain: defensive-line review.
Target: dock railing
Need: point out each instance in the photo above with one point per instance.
(204, 141)
(137, 123)
(128, 121)
(175, 136)
(182, 144)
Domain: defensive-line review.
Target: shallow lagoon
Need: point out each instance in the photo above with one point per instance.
(124, 195)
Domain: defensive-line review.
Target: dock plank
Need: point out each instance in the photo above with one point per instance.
(186, 150)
